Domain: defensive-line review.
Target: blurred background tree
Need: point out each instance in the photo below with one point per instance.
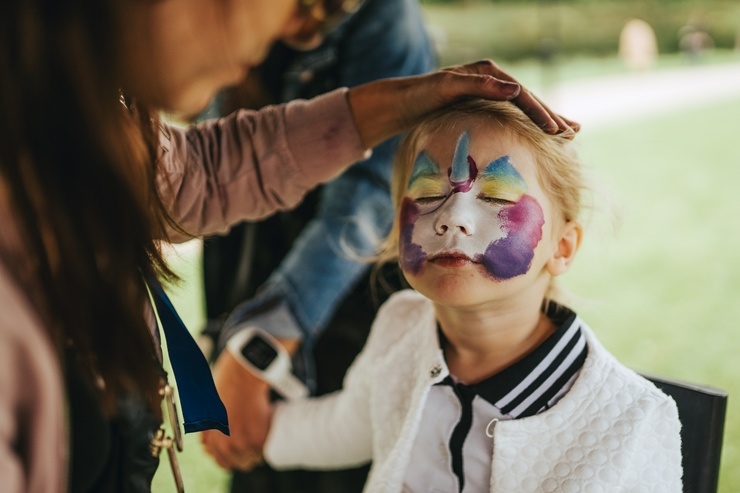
(515, 30)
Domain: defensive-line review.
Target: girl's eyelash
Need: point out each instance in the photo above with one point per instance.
(495, 200)
(429, 200)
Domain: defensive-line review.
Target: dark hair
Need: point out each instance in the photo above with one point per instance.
(78, 170)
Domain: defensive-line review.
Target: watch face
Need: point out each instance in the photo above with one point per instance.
(259, 352)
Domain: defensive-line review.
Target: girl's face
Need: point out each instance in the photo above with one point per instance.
(178, 53)
(474, 222)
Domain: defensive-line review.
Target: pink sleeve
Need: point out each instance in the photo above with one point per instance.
(253, 163)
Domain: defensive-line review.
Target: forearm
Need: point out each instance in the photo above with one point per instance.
(251, 164)
(320, 433)
(331, 431)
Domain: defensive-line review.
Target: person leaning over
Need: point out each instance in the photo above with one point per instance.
(92, 183)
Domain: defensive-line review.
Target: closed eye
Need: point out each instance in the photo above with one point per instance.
(429, 200)
(495, 200)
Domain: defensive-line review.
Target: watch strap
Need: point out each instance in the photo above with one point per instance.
(279, 373)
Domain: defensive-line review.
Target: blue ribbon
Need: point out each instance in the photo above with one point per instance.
(202, 408)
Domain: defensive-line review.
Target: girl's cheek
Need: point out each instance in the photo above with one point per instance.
(411, 256)
(512, 255)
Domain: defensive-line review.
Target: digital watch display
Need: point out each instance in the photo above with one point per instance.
(264, 356)
(259, 352)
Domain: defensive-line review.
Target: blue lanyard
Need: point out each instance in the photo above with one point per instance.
(202, 408)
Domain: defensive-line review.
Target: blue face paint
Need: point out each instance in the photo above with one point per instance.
(507, 222)
(463, 171)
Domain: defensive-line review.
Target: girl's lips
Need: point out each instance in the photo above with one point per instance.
(451, 260)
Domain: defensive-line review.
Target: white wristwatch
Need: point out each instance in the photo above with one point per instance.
(264, 356)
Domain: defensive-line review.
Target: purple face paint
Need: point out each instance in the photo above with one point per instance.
(411, 256)
(493, 203)
(512, 255)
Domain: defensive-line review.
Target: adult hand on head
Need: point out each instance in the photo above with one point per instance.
(247, 401)
(386, 107)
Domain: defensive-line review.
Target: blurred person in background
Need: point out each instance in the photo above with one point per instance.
(294, 268)
(92, 182)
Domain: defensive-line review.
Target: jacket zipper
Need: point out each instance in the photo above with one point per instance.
(490, 429)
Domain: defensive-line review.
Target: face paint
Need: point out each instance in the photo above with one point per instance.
(512, 255)
(463, 170)
(426, 179)
(411, 256)
(484, 216)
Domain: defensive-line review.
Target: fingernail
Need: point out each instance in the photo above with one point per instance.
(550, 128)
(510, 89)
(568, 132)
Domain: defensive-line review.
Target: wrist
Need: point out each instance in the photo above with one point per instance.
(267, 359)
(228, 364)
(373, 109)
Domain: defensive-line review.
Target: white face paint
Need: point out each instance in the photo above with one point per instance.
(469, 215)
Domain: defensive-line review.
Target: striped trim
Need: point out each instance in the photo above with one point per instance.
(543, 394)
(529, 385)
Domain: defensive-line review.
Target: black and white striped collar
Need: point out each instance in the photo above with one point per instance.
(529, 385)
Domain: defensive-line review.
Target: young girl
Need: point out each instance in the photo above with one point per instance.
(477, 380)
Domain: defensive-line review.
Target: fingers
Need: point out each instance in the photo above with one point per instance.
(247, 403)
(477, 79)
(228, 454)
(563, 125)
(497, 84)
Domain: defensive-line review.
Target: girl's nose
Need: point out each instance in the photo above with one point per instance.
(455, 217)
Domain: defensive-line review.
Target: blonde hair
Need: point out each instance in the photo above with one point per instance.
(559, 171)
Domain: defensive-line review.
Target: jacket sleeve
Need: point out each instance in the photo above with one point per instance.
(327, 432)
(335, 430)
(252, 163)
(385, 38)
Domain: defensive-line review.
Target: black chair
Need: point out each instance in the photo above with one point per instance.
(701, 410)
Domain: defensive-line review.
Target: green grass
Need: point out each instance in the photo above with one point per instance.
(660, 288)
(661, 291)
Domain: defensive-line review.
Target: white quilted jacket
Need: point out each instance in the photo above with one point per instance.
(612, 432)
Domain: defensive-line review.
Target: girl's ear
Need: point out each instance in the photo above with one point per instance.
(568, 244)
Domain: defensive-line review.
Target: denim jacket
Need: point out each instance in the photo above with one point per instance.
(384, 38)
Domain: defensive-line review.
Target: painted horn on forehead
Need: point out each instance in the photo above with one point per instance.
(463, 170)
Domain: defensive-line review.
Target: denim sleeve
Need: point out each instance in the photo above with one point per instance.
(386, 39)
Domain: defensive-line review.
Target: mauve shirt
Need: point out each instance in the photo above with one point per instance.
(244, 166)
